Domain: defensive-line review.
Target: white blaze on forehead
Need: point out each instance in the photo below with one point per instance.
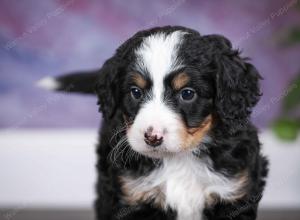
(158, 53)
(158, 56)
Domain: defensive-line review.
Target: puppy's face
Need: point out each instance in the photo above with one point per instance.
(167, 103)
(166, 89)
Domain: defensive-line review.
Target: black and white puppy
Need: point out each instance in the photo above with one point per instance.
(176, 141)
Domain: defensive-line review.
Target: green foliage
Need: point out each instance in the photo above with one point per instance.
(292, 99)
(292, 37)
(286, 129)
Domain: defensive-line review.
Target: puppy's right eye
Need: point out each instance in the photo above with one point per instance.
(136, 93)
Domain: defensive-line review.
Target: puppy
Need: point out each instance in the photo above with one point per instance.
(176, 141)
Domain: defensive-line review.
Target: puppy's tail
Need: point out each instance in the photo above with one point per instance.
(78, 82)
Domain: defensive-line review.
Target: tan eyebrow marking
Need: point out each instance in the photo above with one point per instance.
(139, 80)
(180, 81)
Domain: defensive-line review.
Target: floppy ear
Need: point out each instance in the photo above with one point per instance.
(237, 86)
(108, 87)
(112, 73)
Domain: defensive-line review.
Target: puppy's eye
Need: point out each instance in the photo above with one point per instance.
(187, 94)
(136, 93)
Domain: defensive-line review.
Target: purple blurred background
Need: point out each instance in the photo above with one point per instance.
(41, 38)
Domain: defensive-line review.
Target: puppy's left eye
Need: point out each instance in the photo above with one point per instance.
(188, 94)
(136, 93)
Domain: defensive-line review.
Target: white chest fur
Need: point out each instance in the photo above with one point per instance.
(184, 188)
(183, 183)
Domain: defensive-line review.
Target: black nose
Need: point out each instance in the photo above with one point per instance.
(152, 139)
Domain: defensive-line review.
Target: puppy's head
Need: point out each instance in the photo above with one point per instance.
(173, 86)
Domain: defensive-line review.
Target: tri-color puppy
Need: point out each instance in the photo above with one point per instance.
(176, 141)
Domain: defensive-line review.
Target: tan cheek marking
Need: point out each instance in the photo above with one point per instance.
(180, 81)
(139, 81)
(191, 137)
(136, 192)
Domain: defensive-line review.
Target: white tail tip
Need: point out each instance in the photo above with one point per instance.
(48, 83)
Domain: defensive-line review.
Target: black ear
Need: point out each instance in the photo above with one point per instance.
(237, 86)
(108, 87)
(112, 73)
